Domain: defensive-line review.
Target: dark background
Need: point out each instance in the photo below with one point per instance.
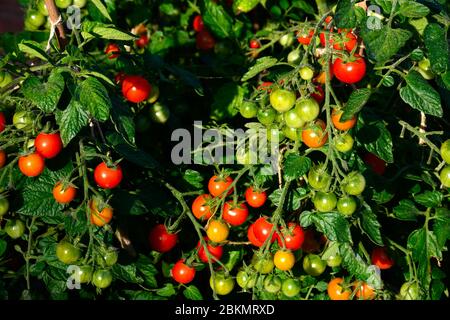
(11, 16)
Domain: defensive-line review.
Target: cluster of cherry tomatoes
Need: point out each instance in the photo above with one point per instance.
(204, 39)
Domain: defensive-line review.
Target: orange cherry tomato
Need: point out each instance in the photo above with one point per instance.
(315, 136)
(32, 165)
(342, 125)
(64, 194)
(100, 218)
(336, 291)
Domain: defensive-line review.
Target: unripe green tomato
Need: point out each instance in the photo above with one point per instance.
(246, 280)
(287, 40)
(15, 228)
(30, 27)
(445, 177)
(154, 94)
(66, 252)
(111, 256)
(266, 116)
(445, 151)
(314, 265)
(63, 4)
(294, 57)
(4, 206)
(334, 261)
(248, 109)
(354, 184)
(293, 119)
(307, 109)
(306, 73)
(35, 18)
(264, 264)
(346, 205)
(344, 143)
(84, 274)
(282, 100)
(272, 284)
(23, 120)
(290, 287)
(102, 278)
(292, 133)
(222, 284)
(79, 3)
(274, 133)
(159, 113)
(42, 8)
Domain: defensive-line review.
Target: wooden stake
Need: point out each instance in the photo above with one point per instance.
(54, 15)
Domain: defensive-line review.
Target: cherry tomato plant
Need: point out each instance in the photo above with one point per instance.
(355, 205)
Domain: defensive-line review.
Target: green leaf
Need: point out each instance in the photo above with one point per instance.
(71, 120)
(244, 5)
(44, 96)
(217, 19)
(148, 270)
(382, 44)
(105, 31)
(167, 291)
(33, 49)
(412, 9)
(435, 39)
(375, 137)
(441, 226)
(94, 97)
(332, 224)
(406, 210)
(386, 5)
(437, 289)
(168, 9)
(292, 201)
(232, 258)
(420, 95)
(357, 267)
(296, 166)
(122, 118)
(75, 224)
(304, 6)
(429, 199)
(227, 101)
(128, 203)
(194, 178)
(101, 7)
(356, 102)
(371, 226)
(192, 293)
(37, 194)
(3, 245)
(126, 273)
(345, 14)
(260, 65)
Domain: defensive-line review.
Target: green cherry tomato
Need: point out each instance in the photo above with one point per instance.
(410, 291)
(306, 73)
(292, 119)
(246, 280)
(67, 253)
(344, 143)
(290, 287)
(15, 228)
(248, 109)
(307, 109)
(445, 151)
(445, 177)
(79, 3)
(266, 116)
(318, 177)
(282, 100)
(111, 256)
(102, 278)
(263, 265)
(42, 8)
(294, 57)
(272, 283)
(222, 284)
(314, 265)
(346, 205)
(84, 274)
(292, 133)
(23, 120)
(63, 4)
(159, 113)
(35, 18)
(4, 206)
(334, 261)
(354, 183)
(287, 40)
(325, 201)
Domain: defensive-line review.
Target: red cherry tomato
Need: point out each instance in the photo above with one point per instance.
(351, 71)
(350, 41)
(262, 229)
(198, 24)
(204, 40)
(216, 252)
(182, 273)
(319, 95)
(162, 240)
(381, 258)
(112, 51)
(235, 215)
(254, 44)
(135, 88)
(265, 86)
(200, 209)
(2, 121)
(252, 238)
(64, 194)
(2, 158)
(378, 165)
(218, 185)
(142, 41)
(254, 198)
(106, 177)
(32, 165)
(48, 145)
(305, 38)
(293, 237)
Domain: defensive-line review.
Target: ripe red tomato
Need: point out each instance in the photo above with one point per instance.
(381, 258)
(112, 51)
(254, 44)
(31, 165)
(142, 41)
(255, 198)
(319, 94)
(293, 236)
(200, 209)
(106, 177)
(216, 252)
(64, 193)
(182, 273)
(204, 40)
(48, 145)
(100, 218)
(349, 40)
(235, 215)
(198, 24)
(218, 185)
(342, 125)
(315, 136)
(378, 165)
(162, 240)
(135, 88)
(262, 229)
(329, 36)
(265, 86)
(2, 158)
(252, 238)
(2, 121)
(305, 38)
(350, 71)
